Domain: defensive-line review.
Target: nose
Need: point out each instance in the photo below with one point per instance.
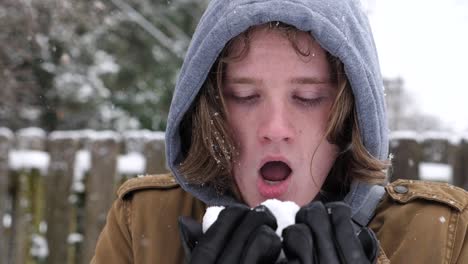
(276, 124)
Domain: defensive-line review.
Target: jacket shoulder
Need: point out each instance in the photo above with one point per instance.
(159, 181)
(422, 222)
(405, 191)
(147, 209)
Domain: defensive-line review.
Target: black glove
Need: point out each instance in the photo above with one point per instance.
(239, 235)
(324, 234)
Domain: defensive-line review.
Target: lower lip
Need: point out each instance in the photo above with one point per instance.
(275, 190)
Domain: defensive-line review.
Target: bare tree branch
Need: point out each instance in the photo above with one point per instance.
(134, 15)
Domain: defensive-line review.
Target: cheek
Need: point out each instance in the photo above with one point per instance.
(327, 154)
(321, 152)
(236, 130)
(311, 127)
(241, 127)
(233, 119)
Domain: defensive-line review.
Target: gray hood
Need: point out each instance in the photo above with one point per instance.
(340, 27)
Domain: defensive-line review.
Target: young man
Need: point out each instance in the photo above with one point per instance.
(282, 99)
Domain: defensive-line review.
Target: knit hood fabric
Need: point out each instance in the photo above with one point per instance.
(341, 27)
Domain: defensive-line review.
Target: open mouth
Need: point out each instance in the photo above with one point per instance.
(274, 172)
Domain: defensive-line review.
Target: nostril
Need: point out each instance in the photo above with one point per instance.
(276, 139)
(276, 129)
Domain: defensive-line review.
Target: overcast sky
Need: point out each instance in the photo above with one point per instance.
(426, 43)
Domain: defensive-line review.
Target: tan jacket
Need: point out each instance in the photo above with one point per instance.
(417, 222)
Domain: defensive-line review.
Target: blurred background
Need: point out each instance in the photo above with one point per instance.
(92, 64)
(86, 87)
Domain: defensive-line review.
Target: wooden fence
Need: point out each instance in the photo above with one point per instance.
(55, 189)
(430, 156)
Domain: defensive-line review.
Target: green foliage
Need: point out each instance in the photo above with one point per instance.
(99, 64)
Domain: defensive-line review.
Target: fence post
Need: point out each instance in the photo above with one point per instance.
(62, 149)
(406, 153)
(154, 152)
(134, 140)
(27, 242)
(32, 138)
(6, 138)
(436, 147)
(459, 164)
(464, 174)
(100, 189)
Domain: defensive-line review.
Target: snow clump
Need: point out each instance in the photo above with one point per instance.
(210, 216)
(284, 212)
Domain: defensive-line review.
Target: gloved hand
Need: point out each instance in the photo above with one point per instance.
(239, 235)
(323, 234)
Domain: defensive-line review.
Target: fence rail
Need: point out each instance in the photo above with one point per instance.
(56, 188)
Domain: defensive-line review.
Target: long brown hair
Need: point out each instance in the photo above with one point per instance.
(209, 147)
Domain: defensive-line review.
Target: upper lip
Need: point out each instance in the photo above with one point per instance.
(267, 159)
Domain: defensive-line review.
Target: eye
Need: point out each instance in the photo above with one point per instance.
(248, 99)
(309, 102)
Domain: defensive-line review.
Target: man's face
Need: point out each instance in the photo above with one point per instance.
(278, 104)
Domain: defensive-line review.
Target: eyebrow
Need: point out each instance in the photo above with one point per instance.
(298, 80)
(309, 80)
(242, 80)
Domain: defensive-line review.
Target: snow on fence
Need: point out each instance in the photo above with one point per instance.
(56, 189)
(430, 156)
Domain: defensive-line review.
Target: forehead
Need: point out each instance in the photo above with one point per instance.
(285, 50)
(269, 35)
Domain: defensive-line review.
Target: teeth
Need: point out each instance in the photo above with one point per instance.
(271, 182)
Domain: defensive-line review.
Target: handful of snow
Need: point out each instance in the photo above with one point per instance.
(284, 212)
